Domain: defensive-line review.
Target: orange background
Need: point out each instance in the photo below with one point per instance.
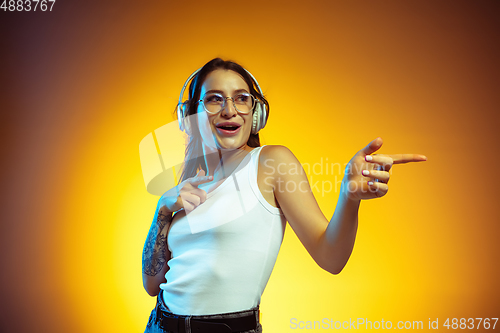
(83, 84)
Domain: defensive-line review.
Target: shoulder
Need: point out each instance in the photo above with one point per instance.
(277, 151)
(274, 157)
(272, 153)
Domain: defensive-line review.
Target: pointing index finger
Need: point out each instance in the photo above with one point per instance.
(195, 181)
(407, 158)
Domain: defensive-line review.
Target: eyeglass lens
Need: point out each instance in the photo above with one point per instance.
(214, 103)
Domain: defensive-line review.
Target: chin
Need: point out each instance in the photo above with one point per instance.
(232, 142)
(226, 144)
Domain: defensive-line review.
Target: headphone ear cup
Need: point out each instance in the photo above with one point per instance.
(259, 117)
(183, 122)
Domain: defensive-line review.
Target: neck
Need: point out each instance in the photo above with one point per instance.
(223, 161)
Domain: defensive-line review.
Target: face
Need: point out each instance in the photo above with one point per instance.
(227, 129)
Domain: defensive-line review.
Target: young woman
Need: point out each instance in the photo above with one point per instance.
(216, 235)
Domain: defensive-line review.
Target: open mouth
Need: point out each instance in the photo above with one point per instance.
(228, 128)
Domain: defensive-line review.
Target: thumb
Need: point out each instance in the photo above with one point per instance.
(372, 146)
(200, 178)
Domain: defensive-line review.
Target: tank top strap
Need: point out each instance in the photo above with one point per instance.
(253, 171)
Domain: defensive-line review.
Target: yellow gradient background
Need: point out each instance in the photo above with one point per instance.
(83, 84)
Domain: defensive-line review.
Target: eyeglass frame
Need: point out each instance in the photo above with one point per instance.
(224, 105)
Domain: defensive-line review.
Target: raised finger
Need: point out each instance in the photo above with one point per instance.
(407, 158)
(200, 178)
(372, 146)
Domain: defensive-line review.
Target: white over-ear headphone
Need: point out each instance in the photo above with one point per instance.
(259, 115)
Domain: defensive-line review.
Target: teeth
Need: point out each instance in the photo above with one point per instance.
(229, 127)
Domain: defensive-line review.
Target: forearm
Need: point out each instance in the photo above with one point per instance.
(339, 237)
(155, 254)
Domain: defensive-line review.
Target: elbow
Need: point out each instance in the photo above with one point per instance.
(332, 265)
(333, 269)
(336, 270)
(152, 287)
(152, 291)
(333, 261)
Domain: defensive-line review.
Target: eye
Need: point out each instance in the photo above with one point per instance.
(242, 98)
(213, 99)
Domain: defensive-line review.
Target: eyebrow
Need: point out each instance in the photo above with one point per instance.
(222, 93)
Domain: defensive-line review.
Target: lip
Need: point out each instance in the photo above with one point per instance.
(228, 132)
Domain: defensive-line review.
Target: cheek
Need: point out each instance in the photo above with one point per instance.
(249, 123)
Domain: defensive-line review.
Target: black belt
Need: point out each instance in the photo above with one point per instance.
(188, 324)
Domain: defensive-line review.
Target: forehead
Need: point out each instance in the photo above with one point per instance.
(226, 81)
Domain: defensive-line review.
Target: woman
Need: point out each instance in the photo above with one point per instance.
(231, 206)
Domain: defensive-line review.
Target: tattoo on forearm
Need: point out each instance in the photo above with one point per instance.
(155, 249)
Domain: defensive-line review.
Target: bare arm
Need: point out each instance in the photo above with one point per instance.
(330, 243)
(156, 254)
(340, 234)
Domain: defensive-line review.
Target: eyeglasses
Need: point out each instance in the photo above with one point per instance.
(215, 102)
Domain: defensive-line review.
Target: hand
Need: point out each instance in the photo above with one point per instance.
(186, 195)
(367, 175)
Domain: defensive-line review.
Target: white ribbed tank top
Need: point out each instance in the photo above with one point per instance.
(224, 251)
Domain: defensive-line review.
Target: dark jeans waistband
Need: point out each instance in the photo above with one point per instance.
(238, 314)
(163, 320)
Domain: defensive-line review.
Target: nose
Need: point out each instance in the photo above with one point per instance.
(229, 110)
